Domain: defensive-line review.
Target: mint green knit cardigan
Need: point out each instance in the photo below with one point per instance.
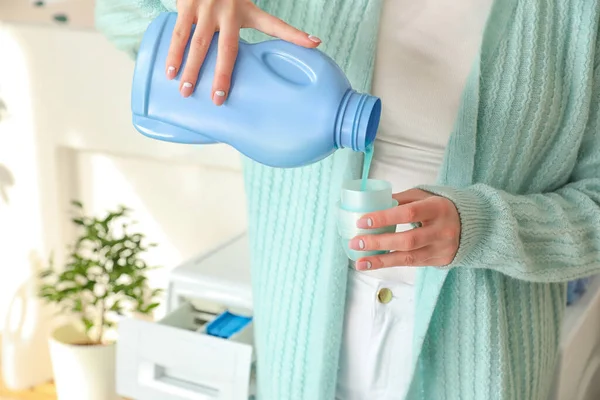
(522, 166)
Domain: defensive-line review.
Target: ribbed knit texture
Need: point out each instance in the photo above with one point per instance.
(529, 206)
(522, 166)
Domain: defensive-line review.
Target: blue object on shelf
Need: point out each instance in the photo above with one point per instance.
(576, 289)
(227, 324)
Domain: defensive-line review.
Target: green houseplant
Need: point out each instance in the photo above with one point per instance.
(104, 277)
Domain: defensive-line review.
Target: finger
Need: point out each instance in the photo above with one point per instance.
(274, 26)
(411, 195)
(181, 35)
(199, 45)
(226, 56)
(428, 256)
(417, 211)
(412, 239)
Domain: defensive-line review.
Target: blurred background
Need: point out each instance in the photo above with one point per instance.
(66, 133)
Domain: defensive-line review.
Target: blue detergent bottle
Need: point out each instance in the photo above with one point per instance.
(288, 106)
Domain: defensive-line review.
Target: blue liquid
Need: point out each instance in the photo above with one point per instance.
(366, 166)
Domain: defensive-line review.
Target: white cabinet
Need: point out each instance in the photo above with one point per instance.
(174, 358)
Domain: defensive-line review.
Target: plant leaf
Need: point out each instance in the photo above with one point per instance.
(149, 308)
(101, 256)
(88, 324)
(46, 273)
(78, 221)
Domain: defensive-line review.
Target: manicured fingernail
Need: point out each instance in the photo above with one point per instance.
(357, 244)
(362, 265)
(171, 72)
(186, 89)
(364, 223)
(219, 97)
(314, 39)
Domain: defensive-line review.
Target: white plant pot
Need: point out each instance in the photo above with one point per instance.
(82, 371)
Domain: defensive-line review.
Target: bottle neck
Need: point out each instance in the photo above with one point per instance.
(357, 121)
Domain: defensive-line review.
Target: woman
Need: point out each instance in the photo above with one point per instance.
(495, 107)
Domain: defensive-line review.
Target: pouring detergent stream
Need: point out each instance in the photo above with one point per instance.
(288, 106)
(366, 166)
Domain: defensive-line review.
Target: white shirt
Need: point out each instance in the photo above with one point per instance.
(425, 52)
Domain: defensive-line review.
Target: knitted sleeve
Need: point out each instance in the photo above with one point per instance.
(124, 22)
(547, 237)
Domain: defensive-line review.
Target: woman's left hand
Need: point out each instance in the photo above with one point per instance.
(434, 243)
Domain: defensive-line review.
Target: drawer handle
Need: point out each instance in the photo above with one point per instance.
(157, 378)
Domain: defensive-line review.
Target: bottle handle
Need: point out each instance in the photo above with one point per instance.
(280, 46)
(287, 61)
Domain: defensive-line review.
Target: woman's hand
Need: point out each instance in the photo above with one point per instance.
(435, 243)
(227, 17)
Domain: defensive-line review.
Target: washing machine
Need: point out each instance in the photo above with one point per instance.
(578, 369)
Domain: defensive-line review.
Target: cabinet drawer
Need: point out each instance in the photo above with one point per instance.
(173, 359)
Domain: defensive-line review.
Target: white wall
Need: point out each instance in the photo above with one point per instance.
(68, 135)
(80, 13)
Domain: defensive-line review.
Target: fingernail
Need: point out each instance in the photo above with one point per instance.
(362, 265)
(186, 89)
(314, 39)
(364, 223)
(171, 72)
(357, 244)
(219, 97)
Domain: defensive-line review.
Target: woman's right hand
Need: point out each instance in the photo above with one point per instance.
(226, 17)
